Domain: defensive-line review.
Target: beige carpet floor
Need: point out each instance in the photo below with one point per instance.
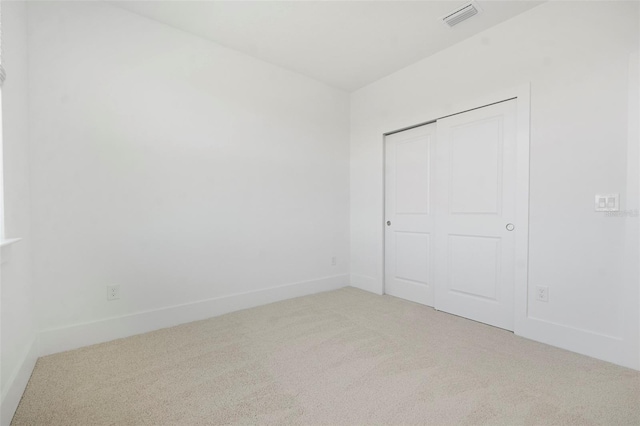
(342, 357)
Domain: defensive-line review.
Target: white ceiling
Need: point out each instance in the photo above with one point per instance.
(346, 44)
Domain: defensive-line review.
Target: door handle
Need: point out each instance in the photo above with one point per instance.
(388, 223)
(510, 227)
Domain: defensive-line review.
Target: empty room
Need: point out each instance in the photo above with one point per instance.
(319, 212)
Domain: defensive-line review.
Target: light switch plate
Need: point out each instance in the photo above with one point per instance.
(607, 202)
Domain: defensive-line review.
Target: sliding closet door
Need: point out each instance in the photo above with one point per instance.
(409, 214)
(475, 213)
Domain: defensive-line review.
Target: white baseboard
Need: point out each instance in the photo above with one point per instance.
(620, 351)
(76, 336)
(17, 384)
(366, 283)
(607, 348)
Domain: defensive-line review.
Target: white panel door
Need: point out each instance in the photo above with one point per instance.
(409, 156)
(475, 195)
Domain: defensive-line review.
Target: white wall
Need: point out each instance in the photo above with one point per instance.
(178, 169)
(576, 57)
(17, 310)
(632, 259)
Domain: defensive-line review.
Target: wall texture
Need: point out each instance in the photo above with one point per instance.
(180, 170)
(17, 312)
(577, 62)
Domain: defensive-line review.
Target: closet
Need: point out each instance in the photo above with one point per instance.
(450, 213)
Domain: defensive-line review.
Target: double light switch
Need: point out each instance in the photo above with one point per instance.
(607, 202)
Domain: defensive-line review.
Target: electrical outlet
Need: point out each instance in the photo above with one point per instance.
(113, 292)
(334, 261)
(542, 293)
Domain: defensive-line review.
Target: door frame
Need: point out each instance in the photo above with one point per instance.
(522, 96)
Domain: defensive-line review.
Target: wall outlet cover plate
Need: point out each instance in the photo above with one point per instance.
(607, 202)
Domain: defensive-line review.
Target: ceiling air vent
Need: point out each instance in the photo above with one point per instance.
(462, 13)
